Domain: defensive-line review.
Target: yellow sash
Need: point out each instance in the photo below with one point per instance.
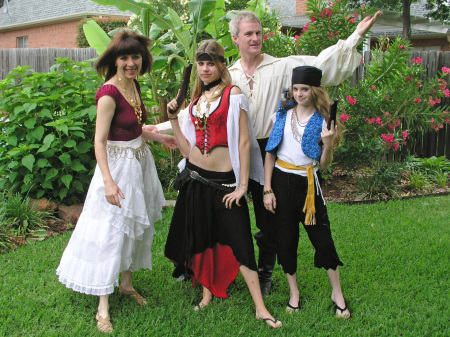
(309, 207)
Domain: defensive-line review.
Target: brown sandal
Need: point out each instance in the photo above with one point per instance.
(104, 324)
(133, 293)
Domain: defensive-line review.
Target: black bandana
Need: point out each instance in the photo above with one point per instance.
(307, 75)
(206, 87)
(207, 57)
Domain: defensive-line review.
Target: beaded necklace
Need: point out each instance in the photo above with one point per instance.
(133, 102)
(294, 122)
(201, 118)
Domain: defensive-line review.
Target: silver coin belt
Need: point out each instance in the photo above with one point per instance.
(118, 152)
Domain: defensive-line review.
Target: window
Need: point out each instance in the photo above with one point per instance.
(22, 42)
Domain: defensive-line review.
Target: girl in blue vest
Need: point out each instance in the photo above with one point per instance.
(291, 186)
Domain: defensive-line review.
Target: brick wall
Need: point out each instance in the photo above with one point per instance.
(300, 7)
(59, 35)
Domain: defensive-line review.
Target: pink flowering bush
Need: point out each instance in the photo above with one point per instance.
(392, 104)
(330, 21)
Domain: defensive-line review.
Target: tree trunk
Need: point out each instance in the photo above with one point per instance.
(407, 19)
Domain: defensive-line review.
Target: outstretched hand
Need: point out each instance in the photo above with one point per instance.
(169, 141)
(367, 23)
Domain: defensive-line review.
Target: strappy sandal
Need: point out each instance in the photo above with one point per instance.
(277, 323)
(291, 309)
(133, 293)
(104, 324)
(341, 315)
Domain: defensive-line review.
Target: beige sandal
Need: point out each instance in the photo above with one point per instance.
(133, 293)
(104, 324)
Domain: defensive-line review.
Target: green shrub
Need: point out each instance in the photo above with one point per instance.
(441, 178)
(380, 181)
(5, 242)
(48, 131)
(108, 24)
(417, 180)
(18, 216)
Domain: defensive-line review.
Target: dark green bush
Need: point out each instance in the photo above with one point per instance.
(17, 215)
(47, 131)
(108, 24)
(380, 181)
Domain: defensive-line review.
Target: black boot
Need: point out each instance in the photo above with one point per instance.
(266, 263)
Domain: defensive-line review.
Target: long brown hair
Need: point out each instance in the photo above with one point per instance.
(125, 42)
(214, 50)
(321, 101)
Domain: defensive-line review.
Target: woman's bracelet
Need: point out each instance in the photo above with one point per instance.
(243, 188)
(173, 118)
(268, 192)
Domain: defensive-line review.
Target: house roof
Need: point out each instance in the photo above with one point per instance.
(30, 13)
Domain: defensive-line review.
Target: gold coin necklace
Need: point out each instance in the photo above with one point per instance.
(133, 102)
(201, 119)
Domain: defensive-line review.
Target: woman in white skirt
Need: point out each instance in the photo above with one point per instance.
(114, 233)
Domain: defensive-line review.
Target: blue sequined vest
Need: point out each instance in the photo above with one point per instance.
(310, 139)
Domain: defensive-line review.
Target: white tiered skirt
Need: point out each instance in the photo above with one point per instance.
(108, 239)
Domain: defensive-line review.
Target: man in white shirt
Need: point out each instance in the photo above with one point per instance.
(262, 78)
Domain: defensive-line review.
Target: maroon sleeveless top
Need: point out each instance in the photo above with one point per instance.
(124, 125)
(213, 133)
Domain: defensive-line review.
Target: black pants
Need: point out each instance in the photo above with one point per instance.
(290, 192)
(265, 238)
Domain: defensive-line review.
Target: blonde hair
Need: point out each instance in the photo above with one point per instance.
(214, 50)
(243, 16)
(321, 101)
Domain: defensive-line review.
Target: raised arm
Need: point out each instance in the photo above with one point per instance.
(338, 62)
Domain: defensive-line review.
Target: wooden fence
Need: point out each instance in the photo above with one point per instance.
(433, 143)
(40, 59)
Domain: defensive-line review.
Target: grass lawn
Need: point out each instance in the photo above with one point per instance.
(395, 278)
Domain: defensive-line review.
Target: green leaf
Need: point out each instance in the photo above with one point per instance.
(30, 123)
(13, 176)
(48, 140)
(70, 143)
(47, 185)
(51, 174)
(41, 163)
(28, 162)
(12, 140)
(77, 166)
(28, 178)
(66, 179)
(84, 147)
(29, 107)
(38, 132)
(62, 193)
(65, 159)
(96, 36)
(13, 164)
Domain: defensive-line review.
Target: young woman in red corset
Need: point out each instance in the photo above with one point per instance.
(210, 235)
